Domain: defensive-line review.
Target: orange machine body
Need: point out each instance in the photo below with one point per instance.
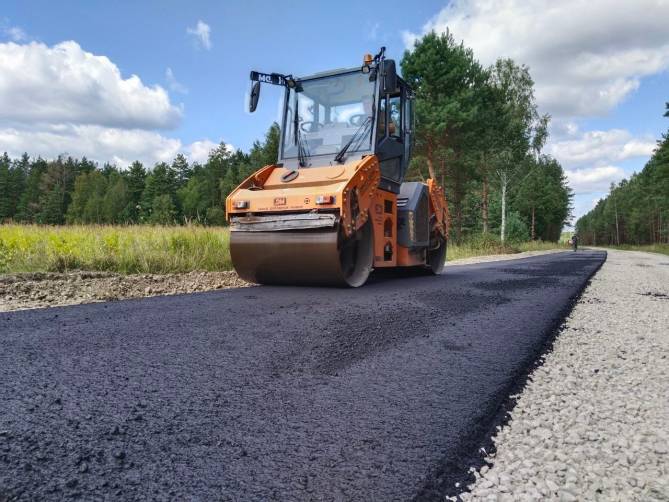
(350, 191)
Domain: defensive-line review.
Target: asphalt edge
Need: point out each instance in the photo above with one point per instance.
(471, 452)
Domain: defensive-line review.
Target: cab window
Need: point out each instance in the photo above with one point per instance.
(395, 117)
(390, 112)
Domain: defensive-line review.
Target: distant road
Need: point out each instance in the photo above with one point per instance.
(271, 393)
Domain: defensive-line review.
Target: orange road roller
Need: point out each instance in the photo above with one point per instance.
(335, 206)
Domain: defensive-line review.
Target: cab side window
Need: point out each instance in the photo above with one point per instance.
(390, 118)
(395, 117)
(381, 127)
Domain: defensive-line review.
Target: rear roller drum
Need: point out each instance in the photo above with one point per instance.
(356, 256)
(436, 255)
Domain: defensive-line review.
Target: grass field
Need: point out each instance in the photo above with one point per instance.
(155, 249)
(123, 249)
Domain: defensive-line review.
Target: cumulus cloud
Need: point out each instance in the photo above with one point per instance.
(593, 179)
(585, 203)
(198, 151)
(599, 147)
(585, 57)
(101, 144)
(590, 157)
(64, 100)
(173, 83)
(65, 84)
(202, 34)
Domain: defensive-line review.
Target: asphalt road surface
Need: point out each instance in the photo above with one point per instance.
(379, 393)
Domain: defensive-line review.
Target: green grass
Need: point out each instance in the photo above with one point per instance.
(159, 250)
(648, 248)
(541, 246)
(123, 249)
(481, 245)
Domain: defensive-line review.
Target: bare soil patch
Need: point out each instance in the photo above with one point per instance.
(38, 290)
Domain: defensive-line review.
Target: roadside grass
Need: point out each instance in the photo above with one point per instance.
(542, 246)
(648, 248)
(160, 250)
(481, 245)
(122, 249)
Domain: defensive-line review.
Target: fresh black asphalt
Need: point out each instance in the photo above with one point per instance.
(275, 393)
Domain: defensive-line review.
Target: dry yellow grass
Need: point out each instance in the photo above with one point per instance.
(124, 249)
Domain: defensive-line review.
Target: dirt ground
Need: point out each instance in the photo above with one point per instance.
(39, 290)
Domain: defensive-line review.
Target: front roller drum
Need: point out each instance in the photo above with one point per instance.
(303, 257)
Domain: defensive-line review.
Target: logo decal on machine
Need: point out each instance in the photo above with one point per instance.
(279, 201)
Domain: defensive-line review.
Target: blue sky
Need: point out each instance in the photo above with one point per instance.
(146, 38)
(606, 92)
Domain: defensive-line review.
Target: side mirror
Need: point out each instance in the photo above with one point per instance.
(389, 73)
(253, 98)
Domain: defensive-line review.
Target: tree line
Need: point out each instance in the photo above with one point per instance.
(478, 132)
(636, 211)
(69, 190)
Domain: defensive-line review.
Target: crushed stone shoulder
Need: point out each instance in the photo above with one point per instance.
(593, 420)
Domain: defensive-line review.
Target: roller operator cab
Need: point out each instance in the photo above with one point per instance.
(335, 205)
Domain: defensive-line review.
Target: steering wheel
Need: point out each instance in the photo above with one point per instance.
(310, 126)
(356, 120)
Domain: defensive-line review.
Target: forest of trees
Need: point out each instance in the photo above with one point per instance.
(478, 132)
(636, 211)
(67, 190)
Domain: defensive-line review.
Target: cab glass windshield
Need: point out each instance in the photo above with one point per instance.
(324, 115)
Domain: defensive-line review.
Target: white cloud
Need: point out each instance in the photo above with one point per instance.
(594, 179)
(173, 83)
(598, 147)
(102, 144)
(198, 151)
(16, 34)
(585, 57)
(94, 142)
(65, 84)
(584, 203)
(589, 157)
(202, 33)
(13, 33)
(64, 100)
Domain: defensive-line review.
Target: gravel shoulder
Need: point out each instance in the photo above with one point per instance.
(40, 290)
(593, 420)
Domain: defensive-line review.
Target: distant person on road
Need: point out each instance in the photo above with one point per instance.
(574, 242)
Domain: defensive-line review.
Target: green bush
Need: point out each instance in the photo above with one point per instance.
(516, 229)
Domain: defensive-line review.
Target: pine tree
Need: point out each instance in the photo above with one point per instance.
(182, 169)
